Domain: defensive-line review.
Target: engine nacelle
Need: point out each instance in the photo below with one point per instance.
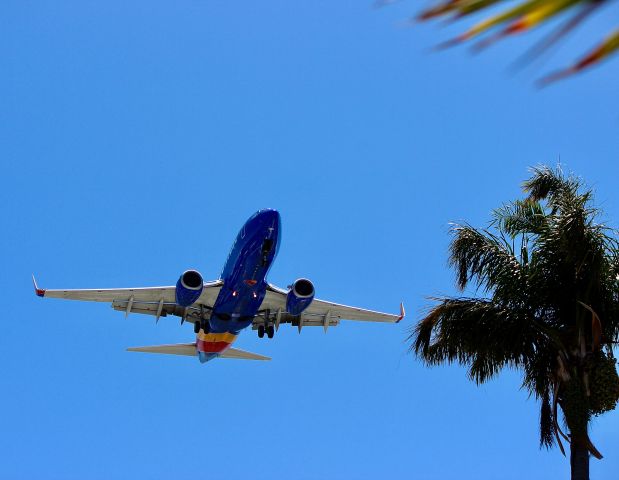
(300, 296)
(189, 288)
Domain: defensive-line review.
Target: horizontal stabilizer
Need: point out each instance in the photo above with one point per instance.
(242, 354)
(188, 349)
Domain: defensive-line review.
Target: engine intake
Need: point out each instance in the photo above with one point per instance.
(300, 296)
(189, 288)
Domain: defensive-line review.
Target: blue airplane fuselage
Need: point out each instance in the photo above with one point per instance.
(244, 283)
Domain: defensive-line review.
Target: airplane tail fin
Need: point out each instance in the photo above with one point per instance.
(189, 349)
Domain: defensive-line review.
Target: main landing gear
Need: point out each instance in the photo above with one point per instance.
(269, 329)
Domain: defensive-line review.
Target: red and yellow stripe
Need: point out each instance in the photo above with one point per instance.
(214, 342)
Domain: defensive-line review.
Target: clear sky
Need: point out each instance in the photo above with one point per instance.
(135, 140)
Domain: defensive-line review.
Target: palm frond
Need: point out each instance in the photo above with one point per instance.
(547, 182)
(546, 422)
(520, 217)
(483, 257)
(605, 49)
(474, 332)
(524, 16)
(565, 28)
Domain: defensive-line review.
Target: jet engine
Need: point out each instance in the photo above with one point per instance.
(189, 288)
(300, 296)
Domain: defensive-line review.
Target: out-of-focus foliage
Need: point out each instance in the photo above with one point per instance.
(522, 16)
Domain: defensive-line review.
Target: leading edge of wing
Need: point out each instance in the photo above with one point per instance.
(343, 309)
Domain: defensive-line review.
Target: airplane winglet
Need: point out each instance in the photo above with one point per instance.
(402, 313)
(39, 291)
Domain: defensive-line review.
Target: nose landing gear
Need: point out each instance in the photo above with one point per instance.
(203, 324)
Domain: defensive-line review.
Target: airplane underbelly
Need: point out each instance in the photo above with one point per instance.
(235, 309)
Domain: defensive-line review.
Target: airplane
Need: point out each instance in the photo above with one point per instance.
(221, 309)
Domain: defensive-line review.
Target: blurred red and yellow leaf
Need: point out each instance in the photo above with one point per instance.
(522, 17)
(602, 51)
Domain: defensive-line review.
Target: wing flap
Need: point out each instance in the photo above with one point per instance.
(148, 308)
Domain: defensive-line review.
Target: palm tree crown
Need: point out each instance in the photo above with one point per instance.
(550, 276)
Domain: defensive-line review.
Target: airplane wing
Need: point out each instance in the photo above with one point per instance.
(319, 313)
(156, 301)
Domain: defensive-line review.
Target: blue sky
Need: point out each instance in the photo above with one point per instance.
(135, 141)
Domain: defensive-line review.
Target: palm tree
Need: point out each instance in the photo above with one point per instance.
(549, 274)
(523, 16)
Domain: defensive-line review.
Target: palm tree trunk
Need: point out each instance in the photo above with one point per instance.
(579, 460)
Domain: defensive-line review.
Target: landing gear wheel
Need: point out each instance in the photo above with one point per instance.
(196, 327)
(206, 326)
(261, 331)
(270, 331)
